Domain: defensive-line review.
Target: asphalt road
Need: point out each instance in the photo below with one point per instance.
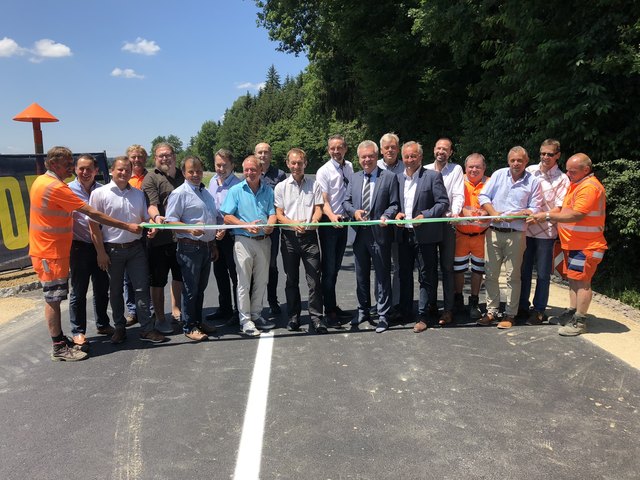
(454, 403)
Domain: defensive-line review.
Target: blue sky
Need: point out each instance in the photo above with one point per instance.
(123, 72)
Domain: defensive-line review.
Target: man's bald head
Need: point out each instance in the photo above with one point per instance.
(578, 167)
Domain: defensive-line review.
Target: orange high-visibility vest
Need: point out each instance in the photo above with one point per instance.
(586, 196)
(471, 193)
(50, 220)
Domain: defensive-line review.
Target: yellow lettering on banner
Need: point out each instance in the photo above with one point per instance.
(11, 202)
(29, 179)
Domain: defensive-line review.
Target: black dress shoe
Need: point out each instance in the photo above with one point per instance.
(333, 321)
(219, 315)
(342, 314)
(293, 325)
(275, 309)
(319, 327)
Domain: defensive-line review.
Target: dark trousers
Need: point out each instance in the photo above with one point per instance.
(294, 249)
(224, 269)
(447, 250)
(272, 286)
(84, 267)
(539, 252)
(333, 242)
(195, 265)
(367, 251)
(132, 260)
(426, 256)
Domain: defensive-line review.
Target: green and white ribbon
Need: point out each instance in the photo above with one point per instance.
(352, 223)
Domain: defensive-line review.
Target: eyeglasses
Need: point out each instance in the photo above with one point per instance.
(547, 154)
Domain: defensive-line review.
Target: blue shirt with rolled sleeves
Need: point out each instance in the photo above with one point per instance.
(509, 197)
(248, 207)
(192, 205)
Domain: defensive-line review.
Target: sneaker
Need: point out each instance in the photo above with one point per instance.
(63, 353)
(107, 330)
(536, 318)
(487, 319)
(319, 327)
(564, 317)
(507, 322)
(249, 329)
(119, 335)
(164, 326)
(196, 335)
(132, 319)
(263, 324)
(576, 326)
(382, 326)
(153, 336)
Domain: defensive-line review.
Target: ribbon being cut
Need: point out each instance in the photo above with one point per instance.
(335, 224)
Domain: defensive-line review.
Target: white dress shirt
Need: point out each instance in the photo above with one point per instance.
(453, 178)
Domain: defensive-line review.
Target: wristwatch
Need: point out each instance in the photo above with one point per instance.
(548, 217)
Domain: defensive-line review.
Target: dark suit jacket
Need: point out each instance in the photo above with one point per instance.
(430, 200)
(384, 201)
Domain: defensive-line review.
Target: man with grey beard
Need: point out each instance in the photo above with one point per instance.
(157, 186)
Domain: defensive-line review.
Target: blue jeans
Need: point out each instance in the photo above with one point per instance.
(132, 260)
(539, 252)
(84, 267)
(195, 265)
(333, 242)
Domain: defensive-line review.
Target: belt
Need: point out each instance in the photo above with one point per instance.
(255, 237)
(122, 245)
(504, 230)
(299, 235)
(190, 241)
(482, 232)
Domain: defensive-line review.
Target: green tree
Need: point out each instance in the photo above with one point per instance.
(205, 141)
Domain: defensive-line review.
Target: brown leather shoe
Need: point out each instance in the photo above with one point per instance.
(536, 318)
(196, 335)
(119, 335)
(108, 330)
(486, 320)
(420, 326)
(445, 319)
(80, 339)
(132, 319)
(507, 322)
(152, 336)
(207, 328)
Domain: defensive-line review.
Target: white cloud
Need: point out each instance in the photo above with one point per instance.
(125, 73)
(46, 48)
(9, 47)
(142, 46)
(250, 86)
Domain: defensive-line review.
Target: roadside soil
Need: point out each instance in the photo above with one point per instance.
(612, 325)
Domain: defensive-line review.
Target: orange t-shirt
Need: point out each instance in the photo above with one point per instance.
(50, 220)
(588, 197)
(136, 180)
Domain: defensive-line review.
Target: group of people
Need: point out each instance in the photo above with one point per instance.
(87, 231)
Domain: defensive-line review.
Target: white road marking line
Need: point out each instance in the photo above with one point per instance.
(250, 450)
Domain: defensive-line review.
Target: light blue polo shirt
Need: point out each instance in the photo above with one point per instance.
(247, 206)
